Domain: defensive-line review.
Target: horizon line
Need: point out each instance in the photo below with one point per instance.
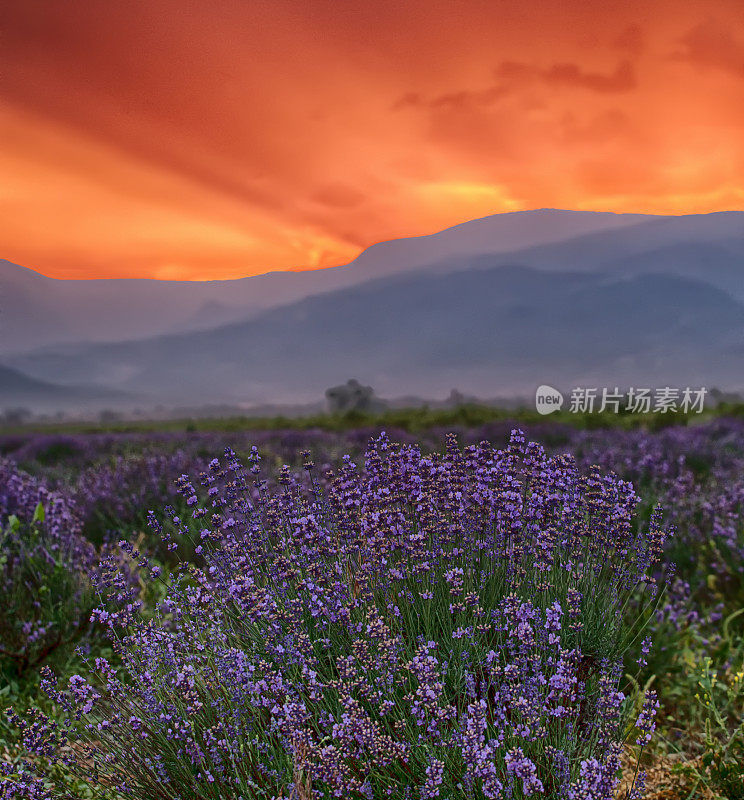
(295, 270)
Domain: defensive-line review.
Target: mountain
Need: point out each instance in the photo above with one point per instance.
(708, 247)
(36, 311)
(592, 298)
(490, 328)
(18, 389)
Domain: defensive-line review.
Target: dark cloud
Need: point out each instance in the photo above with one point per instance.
(515, 71)
(455, 100)
(630, 39)
(511, 74)
(623, 79)
(408, 100)
(458, 100)
(711, 44)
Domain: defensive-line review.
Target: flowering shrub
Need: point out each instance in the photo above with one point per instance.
(112, 494)
(696, 473)
(44, 561)
(427, 626)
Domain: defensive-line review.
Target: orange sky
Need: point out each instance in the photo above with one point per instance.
(222, 138)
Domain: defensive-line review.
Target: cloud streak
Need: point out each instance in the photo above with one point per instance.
(712, 44)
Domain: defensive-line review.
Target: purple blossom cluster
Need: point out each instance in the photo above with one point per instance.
(114, 477)
(20, 496)
(110, 496)
(44, 563)
(425, 625)
(17, 783)
(697, 474)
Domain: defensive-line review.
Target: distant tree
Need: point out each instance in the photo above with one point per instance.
(16, 416)
(352, 396)
(456, 399)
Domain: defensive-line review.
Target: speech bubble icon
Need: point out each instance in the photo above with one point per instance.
(548, 400)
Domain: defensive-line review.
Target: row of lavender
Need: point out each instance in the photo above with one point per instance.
(422, 625)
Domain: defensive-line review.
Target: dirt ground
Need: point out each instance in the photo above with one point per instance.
(666, 779)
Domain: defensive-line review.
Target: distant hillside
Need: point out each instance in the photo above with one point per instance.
(613, 300)
(36, 311)
(18, 389)
(707, 247)
(491, 329)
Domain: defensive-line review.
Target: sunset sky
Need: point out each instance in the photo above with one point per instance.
(223, 138)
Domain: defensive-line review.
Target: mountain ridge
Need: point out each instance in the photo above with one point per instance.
(658, 299)
(36, 310)
(487, 329)
(16, 387)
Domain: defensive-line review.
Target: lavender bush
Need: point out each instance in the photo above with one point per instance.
(425, 626)
(112, 496)
(44, 563)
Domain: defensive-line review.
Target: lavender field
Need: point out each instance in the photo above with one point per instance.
(489, 611)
